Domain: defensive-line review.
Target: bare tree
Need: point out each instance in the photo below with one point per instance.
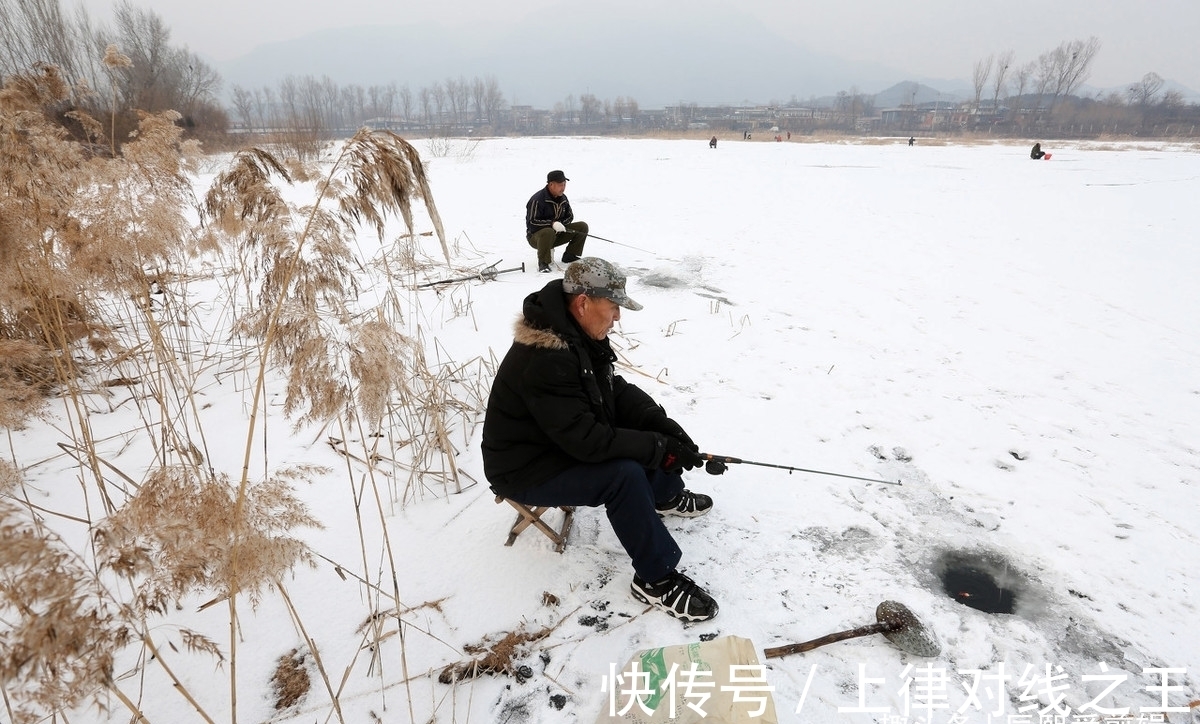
(333, 104)
(387, 101)
(303, 118)
(452, 99)
(375, 96)
(979, 76)
(589, 109)
(493, 100)
(265, 105)
(426, 99)
(622, 109)
(438, 92)
(311, 105)
(1003, 61)
(35, 31)
(357, 102)
(841, 105)
(1043, 77)
(1142, 94)
(243, 103)
(406, 101)
(477, 99)
(1072, 64)
(159, 75)
(198, 82)
(289, 97)
(144, 37)
(462, 100)
(1023, 77)
(566, 109)
(455, 98)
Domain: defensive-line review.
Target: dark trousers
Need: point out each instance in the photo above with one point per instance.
(544, 240)
(628, 493)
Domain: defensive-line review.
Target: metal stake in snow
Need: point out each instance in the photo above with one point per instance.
(716, 465)
(486, 274)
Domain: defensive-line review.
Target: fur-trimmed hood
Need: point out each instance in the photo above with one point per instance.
(526, 333)
(545, 322)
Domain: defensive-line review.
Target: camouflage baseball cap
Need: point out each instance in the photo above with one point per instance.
(597, 278)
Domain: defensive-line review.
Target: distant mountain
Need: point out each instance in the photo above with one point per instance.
(693, 58)
(1190, 95)
(913, 92)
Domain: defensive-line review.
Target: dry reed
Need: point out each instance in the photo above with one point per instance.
(98, 308)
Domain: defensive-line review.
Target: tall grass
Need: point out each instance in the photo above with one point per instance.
(125, 303)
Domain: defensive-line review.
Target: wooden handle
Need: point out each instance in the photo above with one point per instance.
(800, 648)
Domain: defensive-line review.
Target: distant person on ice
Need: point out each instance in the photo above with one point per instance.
(1037, 153)
(549, 222)
(712, 143)
(911, 140)
(561, 428)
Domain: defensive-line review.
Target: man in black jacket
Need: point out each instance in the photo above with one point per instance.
(550, 222)
(562, 429)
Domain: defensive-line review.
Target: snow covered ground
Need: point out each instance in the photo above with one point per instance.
(1015, 341)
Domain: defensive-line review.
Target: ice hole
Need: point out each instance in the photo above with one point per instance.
(974, 583)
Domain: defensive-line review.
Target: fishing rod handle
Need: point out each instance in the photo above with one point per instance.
(873, 628)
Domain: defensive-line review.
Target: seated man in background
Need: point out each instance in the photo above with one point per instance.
(562, 429)
(549, 222)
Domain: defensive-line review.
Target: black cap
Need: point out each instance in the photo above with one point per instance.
(556, 177)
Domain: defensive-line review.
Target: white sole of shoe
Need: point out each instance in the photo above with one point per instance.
(669, 610)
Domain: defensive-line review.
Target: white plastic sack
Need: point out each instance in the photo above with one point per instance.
(714, 682)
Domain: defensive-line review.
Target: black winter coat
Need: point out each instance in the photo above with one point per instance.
(555, 402)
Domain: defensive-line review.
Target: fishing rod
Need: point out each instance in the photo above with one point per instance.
(716, 465)
(630, 246)
(486, 274)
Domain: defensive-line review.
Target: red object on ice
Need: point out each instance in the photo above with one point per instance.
(1046, 157)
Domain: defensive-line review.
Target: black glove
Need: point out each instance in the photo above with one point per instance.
(670, 428)
(679, 457)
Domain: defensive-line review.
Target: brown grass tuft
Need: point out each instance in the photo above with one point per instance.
(497, 656)
(291, 680)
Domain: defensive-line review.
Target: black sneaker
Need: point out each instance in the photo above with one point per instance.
(678, 595)
(686, 505)
(544, 268)
(568, 257)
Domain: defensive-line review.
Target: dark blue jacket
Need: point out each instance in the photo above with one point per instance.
(542, 210)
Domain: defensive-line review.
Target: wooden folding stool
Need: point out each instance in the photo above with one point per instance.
(527, 516)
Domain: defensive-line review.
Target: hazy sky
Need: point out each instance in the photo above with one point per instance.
(938, 38)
